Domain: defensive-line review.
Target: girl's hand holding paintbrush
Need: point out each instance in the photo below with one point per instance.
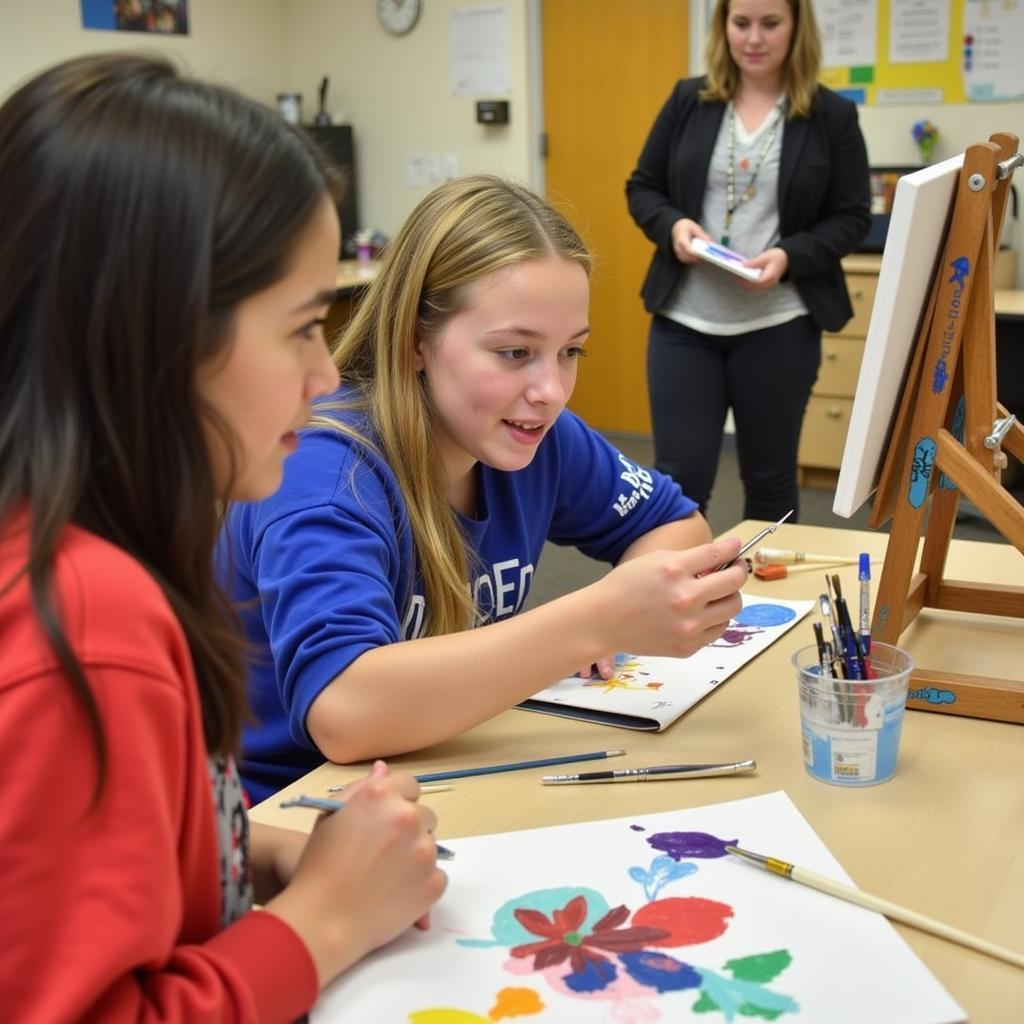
(389, 879)
(669, 603)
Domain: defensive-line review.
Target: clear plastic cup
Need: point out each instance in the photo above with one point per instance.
(851, 728)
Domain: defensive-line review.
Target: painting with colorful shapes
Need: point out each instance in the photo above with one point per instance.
(651, 693)
(643, 920)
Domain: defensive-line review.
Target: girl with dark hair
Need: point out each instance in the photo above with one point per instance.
(167, 256)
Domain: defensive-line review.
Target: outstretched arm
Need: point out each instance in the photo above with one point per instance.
(406, 696)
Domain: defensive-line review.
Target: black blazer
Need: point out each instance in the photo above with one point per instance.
(824, 196)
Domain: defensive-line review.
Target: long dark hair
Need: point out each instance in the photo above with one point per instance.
(138, 208)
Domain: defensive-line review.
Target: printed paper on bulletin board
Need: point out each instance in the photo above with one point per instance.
(923, 51)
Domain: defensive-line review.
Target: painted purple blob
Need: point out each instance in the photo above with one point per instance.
(690, 844)
(638, 828)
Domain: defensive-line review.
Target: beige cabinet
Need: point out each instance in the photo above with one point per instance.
(828, 411)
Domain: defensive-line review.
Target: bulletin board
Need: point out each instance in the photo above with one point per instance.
(923, 51)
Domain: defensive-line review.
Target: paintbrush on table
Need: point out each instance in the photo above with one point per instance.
(869, 902)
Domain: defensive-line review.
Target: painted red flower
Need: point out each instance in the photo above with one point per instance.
(563, 939)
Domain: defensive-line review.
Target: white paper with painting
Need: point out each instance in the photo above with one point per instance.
(644, 920)
(651, 693)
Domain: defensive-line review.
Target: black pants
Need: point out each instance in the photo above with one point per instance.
(766, 377)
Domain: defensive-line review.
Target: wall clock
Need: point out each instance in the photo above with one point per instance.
(398, 16)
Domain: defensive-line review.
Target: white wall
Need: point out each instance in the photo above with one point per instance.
(396, 93)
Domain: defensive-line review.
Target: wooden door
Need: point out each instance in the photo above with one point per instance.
(608, 65)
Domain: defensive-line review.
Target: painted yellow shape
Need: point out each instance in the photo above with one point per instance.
(446, 1015)
(618, 683)
(516, 1002)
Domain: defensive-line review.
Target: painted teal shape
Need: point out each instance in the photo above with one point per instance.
(765, 615)
(733, 996)
(663, 869)
(921, 471)
(956, 428)
(507, 931)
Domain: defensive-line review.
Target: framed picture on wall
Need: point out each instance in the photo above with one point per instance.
(164, 17)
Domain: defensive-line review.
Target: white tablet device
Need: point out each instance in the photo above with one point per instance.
(724, 258)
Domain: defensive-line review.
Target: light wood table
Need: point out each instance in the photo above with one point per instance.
(944, 837)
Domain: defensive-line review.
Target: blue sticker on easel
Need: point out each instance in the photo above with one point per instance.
(921, 471)
(961, 268)
(932, 695)
(956, 428)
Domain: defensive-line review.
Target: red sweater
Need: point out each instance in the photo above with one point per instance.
(112, 913)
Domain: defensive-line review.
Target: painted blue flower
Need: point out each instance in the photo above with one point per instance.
(663, 869)
(660, 971)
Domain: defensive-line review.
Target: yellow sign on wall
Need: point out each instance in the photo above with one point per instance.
(925, 51)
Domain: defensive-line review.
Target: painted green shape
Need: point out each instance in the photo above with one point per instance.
(732, 996)
(761, 966)
(862, 76)
(705, 1004)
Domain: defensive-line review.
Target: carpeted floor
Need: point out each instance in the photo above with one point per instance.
(564, 569)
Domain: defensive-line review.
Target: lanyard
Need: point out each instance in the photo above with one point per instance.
(731, 202)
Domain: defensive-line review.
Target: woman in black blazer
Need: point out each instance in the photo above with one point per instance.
(758, 157)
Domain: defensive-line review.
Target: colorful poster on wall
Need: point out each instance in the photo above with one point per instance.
(643, 920)
(993, 41)
(164, 17)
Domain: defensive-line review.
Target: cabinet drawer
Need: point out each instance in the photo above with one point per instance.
(840, 365)
(824, 431)
(862, 295)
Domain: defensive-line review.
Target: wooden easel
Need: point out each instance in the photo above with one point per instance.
(948, 438)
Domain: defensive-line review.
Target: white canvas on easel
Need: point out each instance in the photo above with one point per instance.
(913, 244)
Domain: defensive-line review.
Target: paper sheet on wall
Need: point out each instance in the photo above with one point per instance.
(481, 51)
(644, 919)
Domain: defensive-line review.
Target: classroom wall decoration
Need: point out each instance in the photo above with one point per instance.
(640, 920)
(165, 17)
(923, 51)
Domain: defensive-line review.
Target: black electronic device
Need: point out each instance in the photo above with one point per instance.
(492, 111)
(336, 141)
(883, 190)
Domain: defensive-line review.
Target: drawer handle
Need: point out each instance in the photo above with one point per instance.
(858, 294)
(832, 356)
(833, 413)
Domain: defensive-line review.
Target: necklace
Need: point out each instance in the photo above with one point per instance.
(731, 202)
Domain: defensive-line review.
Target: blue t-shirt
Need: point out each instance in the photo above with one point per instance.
(325, 569)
